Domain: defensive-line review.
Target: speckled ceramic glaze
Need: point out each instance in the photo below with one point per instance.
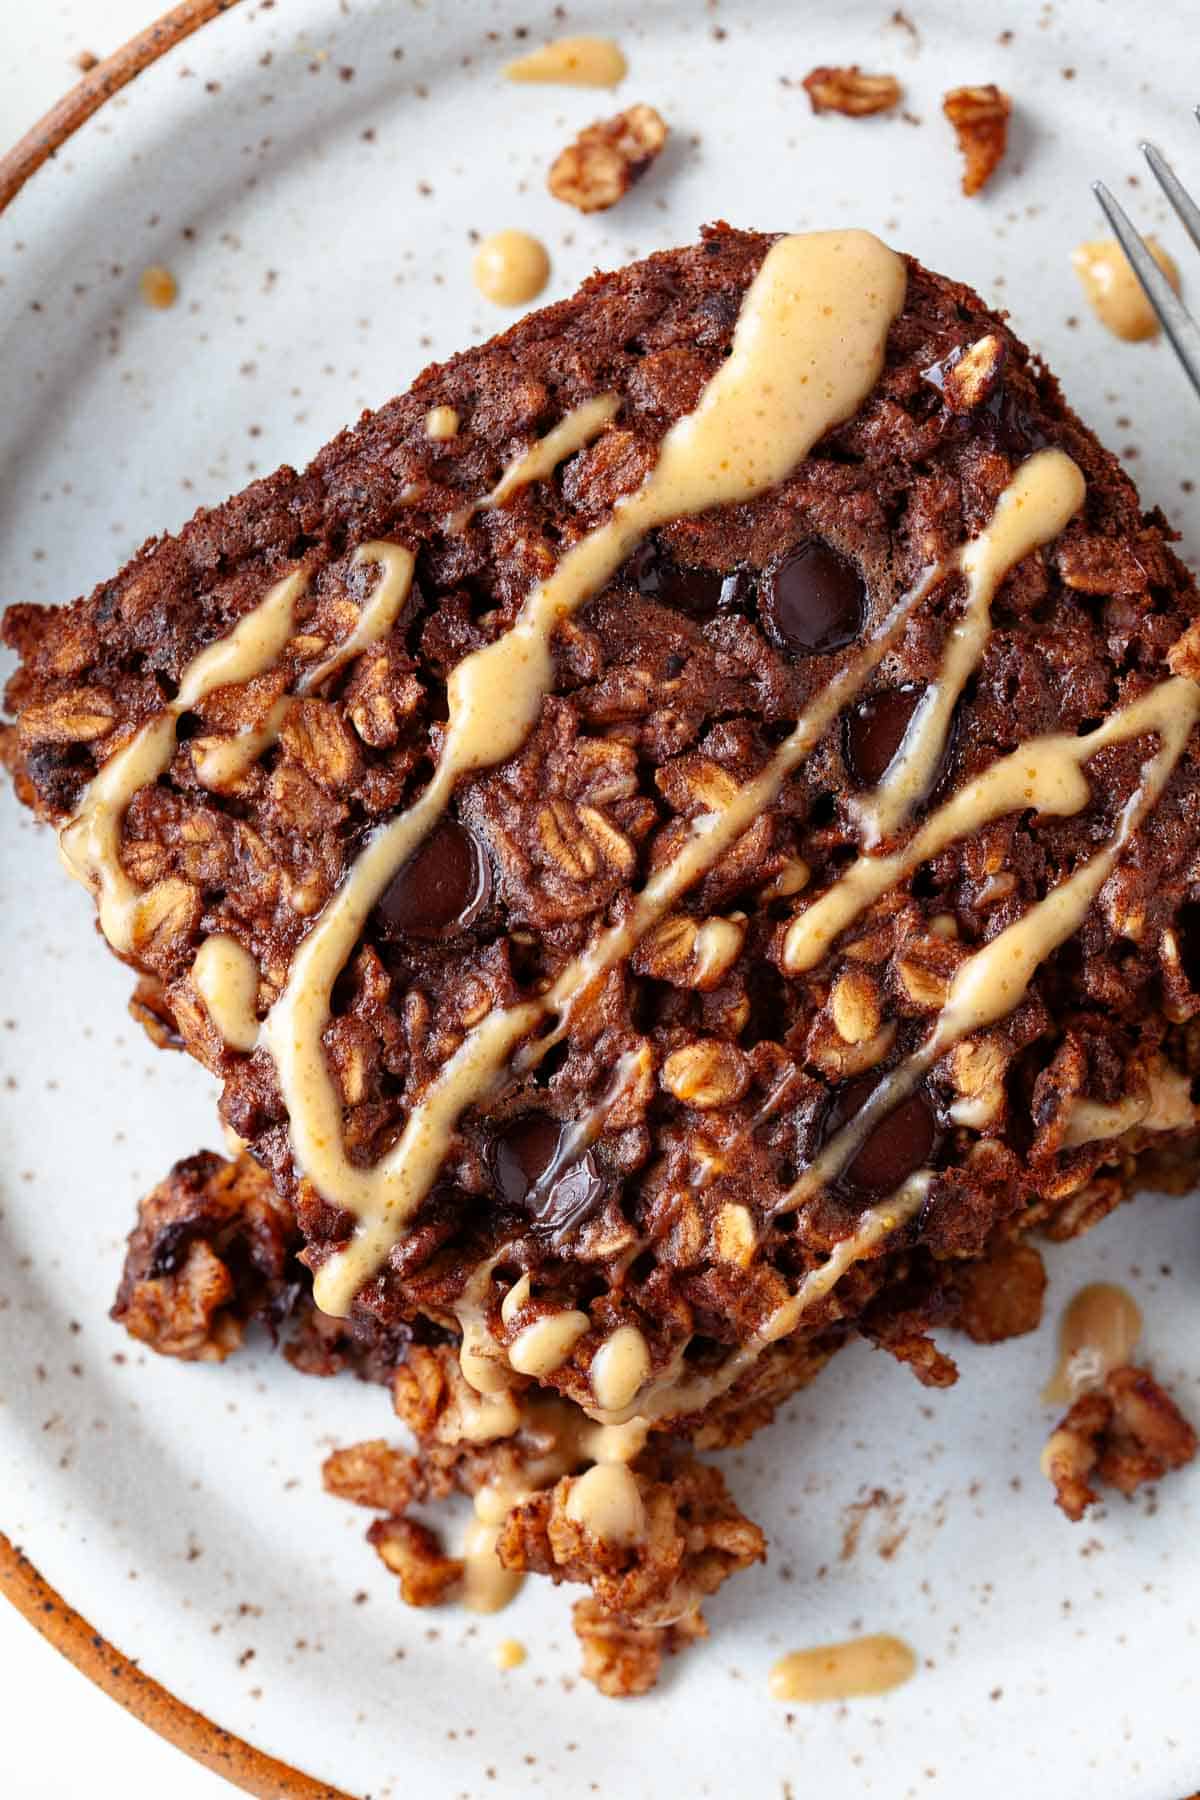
(314, 175)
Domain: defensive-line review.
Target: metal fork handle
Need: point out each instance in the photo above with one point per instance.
(1173, 315)
(1173, 188)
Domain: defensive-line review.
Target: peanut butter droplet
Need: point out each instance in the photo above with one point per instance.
(572, 62)
(866, 1665)
(1099, 1333)
(511, 268)
(1113, 290)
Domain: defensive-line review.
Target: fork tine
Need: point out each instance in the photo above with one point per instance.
(1175, 191)
(1173, 315)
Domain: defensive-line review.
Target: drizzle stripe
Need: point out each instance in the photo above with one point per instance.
(808, 347)
(669, 1399)
(90, 845)
(995, 980)
(1046, 492)
(1046, 774)
(579, 427)
(219, 762)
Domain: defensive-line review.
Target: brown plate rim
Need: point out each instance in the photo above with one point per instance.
(109, 1669)
(108, 77)
(21, 1582)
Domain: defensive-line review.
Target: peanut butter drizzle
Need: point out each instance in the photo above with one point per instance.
(989, 984)
(579, 427)
(1046, 492)
(1046, 774)
(220, 762)
(90, 844)
(1114, 292)
(607, 1502)
(808, 347)
(1098, 1333)
(226, 977)
(1165, 1104)
(569, 1441)
(848, 1671)
(675, 1394)
(546, 1344)
(572, 62)
(620, 1368)
(487, 1586)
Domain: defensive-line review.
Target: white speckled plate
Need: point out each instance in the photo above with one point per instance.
(313, 173)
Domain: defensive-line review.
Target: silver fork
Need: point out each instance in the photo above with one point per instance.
(1176, 320)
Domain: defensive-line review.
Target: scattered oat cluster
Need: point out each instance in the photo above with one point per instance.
(607, 158)
(979, 115)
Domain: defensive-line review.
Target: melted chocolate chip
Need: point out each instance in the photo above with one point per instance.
(1012, 428)
(170, 1249)
(1187, 932)
(686, 588)
(441, 889)
(812, 600)
(873, 731)
(901, 1142)
(522, 1156)
(535, 1172)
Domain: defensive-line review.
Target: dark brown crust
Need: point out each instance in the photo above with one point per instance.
(653, 706)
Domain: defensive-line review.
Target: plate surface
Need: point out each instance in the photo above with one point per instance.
(312, 174)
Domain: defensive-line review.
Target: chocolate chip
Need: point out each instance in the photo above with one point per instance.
(1012, 427)
(812, 600)
(686, 588)
(536, 1172)
(873, 731)
(441, 889)
(900, 1143)
(170, 1249)
(573, 1196)
(1187, 934)
(523, 1155)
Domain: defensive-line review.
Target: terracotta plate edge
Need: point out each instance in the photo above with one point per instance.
(148, 1701)
(99, 84)
(20, 1582)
